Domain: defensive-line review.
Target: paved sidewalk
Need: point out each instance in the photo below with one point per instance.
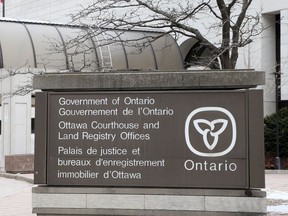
(15, 196)
(278, 182)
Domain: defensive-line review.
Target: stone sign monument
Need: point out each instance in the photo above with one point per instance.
(148, 143)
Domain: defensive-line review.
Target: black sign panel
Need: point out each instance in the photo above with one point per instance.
(148, 139)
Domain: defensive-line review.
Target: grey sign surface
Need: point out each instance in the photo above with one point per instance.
(149, 139)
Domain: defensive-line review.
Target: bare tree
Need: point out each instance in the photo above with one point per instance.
(222, 26)
(23, 76)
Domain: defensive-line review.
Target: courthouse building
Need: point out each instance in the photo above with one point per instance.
(264, 53)
(23, 44)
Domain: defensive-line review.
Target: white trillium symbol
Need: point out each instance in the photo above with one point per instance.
(215, 128)
(211, 131)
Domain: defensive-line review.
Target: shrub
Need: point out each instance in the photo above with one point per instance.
(270, 133)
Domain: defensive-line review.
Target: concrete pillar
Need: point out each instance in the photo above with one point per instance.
(268, 63)
(16, 119)
(284, 54)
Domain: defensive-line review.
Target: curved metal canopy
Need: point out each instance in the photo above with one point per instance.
(54, 46)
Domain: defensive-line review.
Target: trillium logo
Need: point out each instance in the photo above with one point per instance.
(217, 135)
(210, 131)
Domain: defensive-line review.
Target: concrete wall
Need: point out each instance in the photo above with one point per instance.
(50, 10)
(272, 6)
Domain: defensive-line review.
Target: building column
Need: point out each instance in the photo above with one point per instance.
(268, 61)
(16, 119)
(284, 54)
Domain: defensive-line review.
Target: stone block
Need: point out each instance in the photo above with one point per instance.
(69, 201)
(235, 204)
(183, 203)
(115, 201)
(21, 163)
(147, 80)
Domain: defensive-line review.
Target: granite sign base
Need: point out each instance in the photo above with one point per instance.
(133, 201)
